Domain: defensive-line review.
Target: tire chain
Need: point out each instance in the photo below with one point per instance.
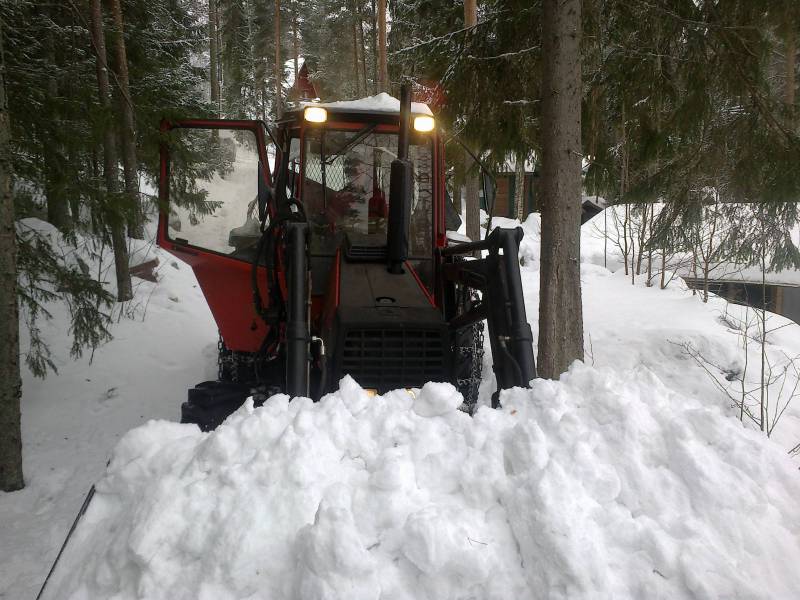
(473, 352)
(231, 361)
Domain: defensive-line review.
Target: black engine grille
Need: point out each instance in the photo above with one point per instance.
(386, 359)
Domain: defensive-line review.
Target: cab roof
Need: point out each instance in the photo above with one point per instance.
(380, 103)
(381, 107)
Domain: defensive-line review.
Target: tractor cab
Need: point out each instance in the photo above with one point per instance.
(338, 167)
(326, 254)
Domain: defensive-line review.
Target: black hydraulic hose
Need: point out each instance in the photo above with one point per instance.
(257, 300)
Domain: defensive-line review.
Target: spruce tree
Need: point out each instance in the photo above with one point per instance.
(10, 385)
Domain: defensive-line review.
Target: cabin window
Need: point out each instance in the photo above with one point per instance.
(346, 188)
(213, 189)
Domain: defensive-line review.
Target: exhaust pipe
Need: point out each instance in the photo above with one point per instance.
(400, 185)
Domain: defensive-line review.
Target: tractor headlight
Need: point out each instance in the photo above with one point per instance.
(424, 123)
(315, 114)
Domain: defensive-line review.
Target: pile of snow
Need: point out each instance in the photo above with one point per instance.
(600, 485)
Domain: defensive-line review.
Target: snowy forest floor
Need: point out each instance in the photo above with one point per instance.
(636, 339)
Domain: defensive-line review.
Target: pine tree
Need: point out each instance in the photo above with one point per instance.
(110, 162)
(127, 135)
(10, 385)
(560, 307)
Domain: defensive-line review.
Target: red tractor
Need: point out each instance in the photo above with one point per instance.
(337, 262)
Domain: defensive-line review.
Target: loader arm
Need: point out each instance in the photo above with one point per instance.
(498, 278)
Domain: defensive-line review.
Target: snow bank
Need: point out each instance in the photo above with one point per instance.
(600, 485)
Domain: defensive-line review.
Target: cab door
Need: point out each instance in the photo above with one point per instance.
(215, 197)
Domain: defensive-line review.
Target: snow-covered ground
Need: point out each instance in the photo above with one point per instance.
(71, 421)
(631, 477)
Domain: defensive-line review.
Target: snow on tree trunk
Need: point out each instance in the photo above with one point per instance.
(10, 385)
(127, 131)
(110, 162)
(560, 306)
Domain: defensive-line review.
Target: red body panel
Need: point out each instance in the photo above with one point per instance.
(225, 281)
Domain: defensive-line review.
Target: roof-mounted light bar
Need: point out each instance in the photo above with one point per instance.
(315, 114)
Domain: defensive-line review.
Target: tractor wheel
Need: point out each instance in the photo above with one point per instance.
(211, 402)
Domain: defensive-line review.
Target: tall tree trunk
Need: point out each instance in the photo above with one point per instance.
(213, 54)
(110, 161)
(130, 165)
(278, 65)
(57, 204)
(470, 13)
(790, 37)
(472, 179)
(650, 247)
(560, 306)
(295, 43)
(473, 202)
(383, 71)
(362, 46)
(623, 183)
(356, 60)
(374, 40)
(519, 187)
(10, 384)
(642, 240)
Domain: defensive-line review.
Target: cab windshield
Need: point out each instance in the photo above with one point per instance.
(345, 188)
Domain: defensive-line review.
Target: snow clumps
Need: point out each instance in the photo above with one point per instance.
(594, 486)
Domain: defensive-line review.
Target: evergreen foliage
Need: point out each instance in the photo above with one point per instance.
(679, 97)
(57, 131)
